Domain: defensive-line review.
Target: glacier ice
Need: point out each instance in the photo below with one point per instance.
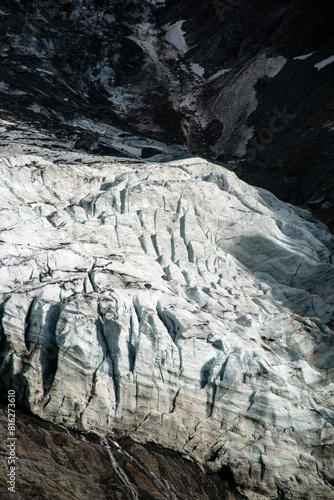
(174, 303)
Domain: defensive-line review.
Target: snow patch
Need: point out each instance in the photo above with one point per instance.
(219, 73)
(197, 69)
(175, 36)
(274, 65)
(302, 58)
(41, 70)
(324, 63)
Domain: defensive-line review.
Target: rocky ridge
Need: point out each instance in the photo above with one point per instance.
(174, 303)
(244, 84)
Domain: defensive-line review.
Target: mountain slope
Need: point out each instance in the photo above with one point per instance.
(173, 303)
(146, 292)
(228, 82)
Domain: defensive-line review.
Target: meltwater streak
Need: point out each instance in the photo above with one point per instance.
(121, 474)
(163, 486)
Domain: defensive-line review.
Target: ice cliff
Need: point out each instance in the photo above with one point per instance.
(174, 303)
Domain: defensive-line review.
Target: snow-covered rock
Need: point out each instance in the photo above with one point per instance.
(175, 303)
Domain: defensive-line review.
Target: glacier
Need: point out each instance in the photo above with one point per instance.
(173, 303)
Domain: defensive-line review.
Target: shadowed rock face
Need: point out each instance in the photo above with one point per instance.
(55, 464)
(206, 75)
(175, 304)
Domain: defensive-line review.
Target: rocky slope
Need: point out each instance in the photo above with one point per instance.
(175, 304)
(242, 83)
(55, 464)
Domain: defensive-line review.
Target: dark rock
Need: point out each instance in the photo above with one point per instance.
(56, 464)
(147, 152)
(90, 50)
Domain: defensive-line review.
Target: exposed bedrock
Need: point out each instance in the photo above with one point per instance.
(247, 84)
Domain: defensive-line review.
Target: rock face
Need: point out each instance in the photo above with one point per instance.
(55, 464)
(174, 303)
(227, 80)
